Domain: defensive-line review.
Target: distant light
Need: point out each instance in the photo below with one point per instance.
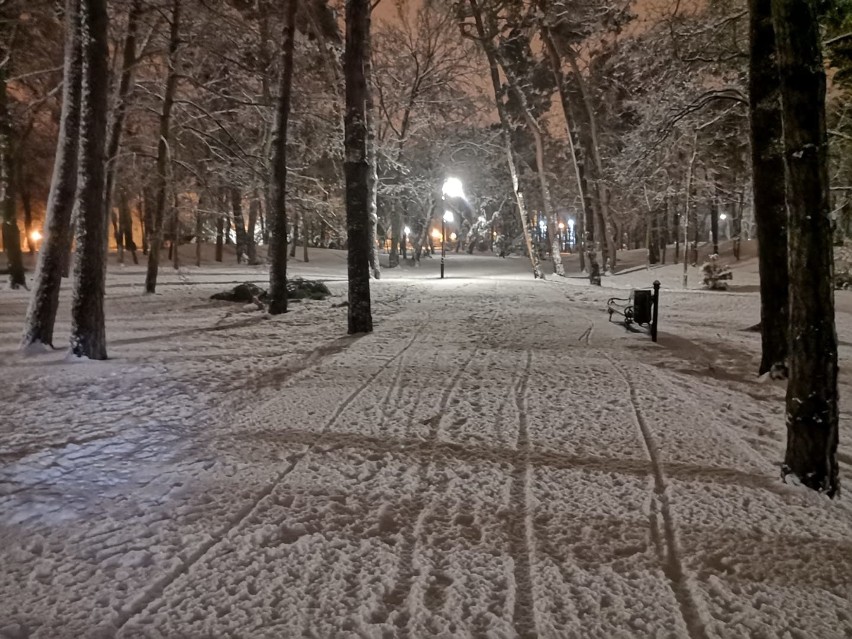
(35, 236)
(571, 222)
(453, 188)
(561, 226)
(406, 230)
(453, 236)
(724, 216)
(436, 234)
(448, 216)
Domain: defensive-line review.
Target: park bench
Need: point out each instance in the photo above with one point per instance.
(641, 309)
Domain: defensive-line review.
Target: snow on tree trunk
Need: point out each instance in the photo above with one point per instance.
(812, 392)
(163, 155)
(372, 176)
(88, 331)
(277, 213)
(770, 204)
(357, 165)
(41, 313)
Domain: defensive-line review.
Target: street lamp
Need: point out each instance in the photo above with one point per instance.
(448, 217)
(452, 188)
(405, 233)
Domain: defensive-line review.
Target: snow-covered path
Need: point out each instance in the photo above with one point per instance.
(496, 460)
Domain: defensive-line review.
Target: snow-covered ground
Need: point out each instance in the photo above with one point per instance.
(496, 460)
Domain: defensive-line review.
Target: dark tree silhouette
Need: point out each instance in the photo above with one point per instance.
(357, 166)
(812, 412)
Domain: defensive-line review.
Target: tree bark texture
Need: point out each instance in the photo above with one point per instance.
(357, 165)
(88, 330)
(277, 213)
(52, 258)
(119, 109)
(770, 204)
(372, 176)
(8, 200)
(163, 155)
(812, 392)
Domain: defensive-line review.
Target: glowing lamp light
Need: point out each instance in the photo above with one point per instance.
(571, 223)
(561, 226)
(436, 234)
(448, 216)
(406, 230)
(36, 236)
(453, 188)
(453, 236)
(723, 216)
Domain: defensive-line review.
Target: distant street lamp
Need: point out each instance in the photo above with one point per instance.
(561, 236)
(452, 188)
(448, 217)
(572, 239)
(405, 233)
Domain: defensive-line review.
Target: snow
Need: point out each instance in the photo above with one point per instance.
(495, 460)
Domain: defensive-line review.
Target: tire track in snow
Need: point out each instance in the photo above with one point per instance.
(521, 532)
(402, 592)
(155, 590)
(665, 540)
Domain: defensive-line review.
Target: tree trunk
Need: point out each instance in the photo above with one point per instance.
(306, 233)
(163, 155)
(220, 240)
(812, 392)
(664, 230)
(251, 245)
(714, 223)
(175, 233)
(396, 234)
(357, 165)
(199, 226)
(605, 222)
(689, 174)
(44, 301)
(88, 331)
(555, 59)
(27, 203)
(125, 224)
(239, 222)
(490, 53)
(295, 242)
(770, 205)
(372, 176)
(277, 213)
(535, 130)
(8, 201)
(119, 109)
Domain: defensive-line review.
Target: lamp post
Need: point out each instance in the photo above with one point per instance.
(447, 217)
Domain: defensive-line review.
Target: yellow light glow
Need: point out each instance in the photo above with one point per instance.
(36, 236)
(561, 226)
(453, 236)
(436, 234)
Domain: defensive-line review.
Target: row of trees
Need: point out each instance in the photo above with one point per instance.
(633, 119)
